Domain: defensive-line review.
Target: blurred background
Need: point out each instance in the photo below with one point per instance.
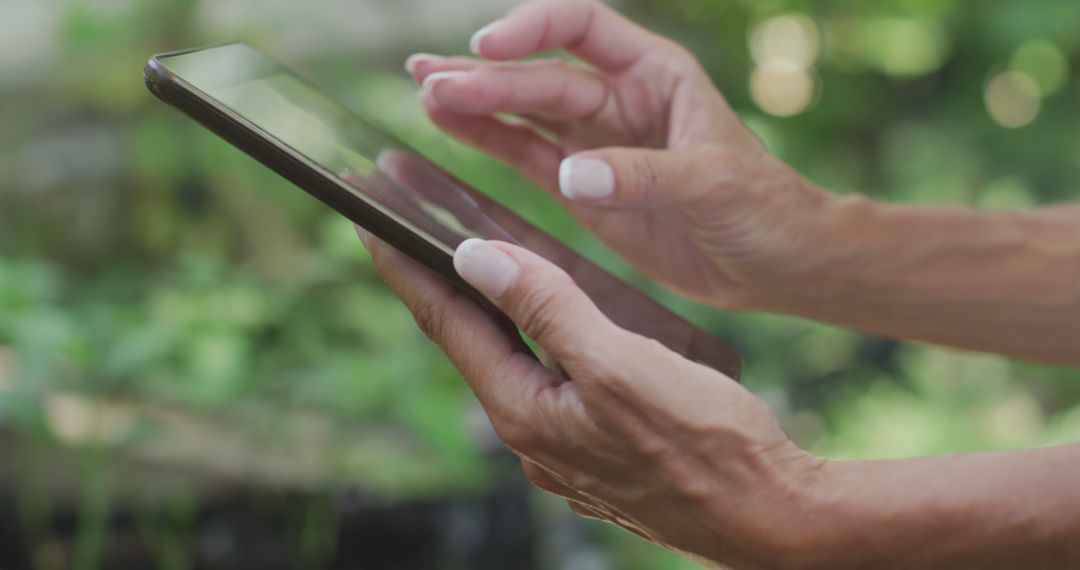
(199, 368)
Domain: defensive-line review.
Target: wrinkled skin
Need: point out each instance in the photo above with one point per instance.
(668, 449)
(673, 451)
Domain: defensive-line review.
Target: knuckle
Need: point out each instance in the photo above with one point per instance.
(645, 176)
(611, 375)
(430, 318)
(538, 308)
(654, 450)
(607, 381)
(594, 355)
(688, 483)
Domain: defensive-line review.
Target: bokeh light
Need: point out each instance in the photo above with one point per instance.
(1043, 62)
(785, 48)
(896, 46)
(908, 46)
(1013, 99)
(782, 89)
(790, 38)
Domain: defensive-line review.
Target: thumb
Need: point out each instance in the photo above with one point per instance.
(637, 178)
(539, 297)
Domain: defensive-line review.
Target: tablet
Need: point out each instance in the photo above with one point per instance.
(320, 145)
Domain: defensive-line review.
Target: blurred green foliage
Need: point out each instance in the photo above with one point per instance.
(147, 268)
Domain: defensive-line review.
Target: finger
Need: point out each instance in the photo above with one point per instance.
(421, 65)
(590, 30)
(542, 299)
(635, 178)
(518, 145)
(505, 380)
(550, 89)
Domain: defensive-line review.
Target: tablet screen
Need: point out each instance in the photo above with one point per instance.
(384, 172)
(299, 115)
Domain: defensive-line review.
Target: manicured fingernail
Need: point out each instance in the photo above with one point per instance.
(436, 78)
(365, 237)
(478, 37)
(586, 178)
(416, 59)
(485, 267)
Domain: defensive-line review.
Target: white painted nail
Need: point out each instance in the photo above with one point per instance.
(435, 78)
(485, 267)
(586, 178)
(478, 37)
(416, 59)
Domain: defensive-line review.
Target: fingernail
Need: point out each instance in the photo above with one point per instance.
(415, 60)
(436, 78)
(485, 267)
(586, 178)
(365, 237)
(478, 37)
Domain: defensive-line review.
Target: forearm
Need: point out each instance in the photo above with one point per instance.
(991, 510)
(999, 282)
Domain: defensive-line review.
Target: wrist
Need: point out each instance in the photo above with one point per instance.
(914, 513)
(829, 526)
(801, 520)
(825, 244)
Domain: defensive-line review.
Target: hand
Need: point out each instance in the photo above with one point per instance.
(668, 449)
(646, 152)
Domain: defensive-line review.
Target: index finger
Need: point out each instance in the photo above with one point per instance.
(491, 357)
(587, 28)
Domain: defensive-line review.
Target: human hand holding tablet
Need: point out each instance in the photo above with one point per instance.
(652, 406)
